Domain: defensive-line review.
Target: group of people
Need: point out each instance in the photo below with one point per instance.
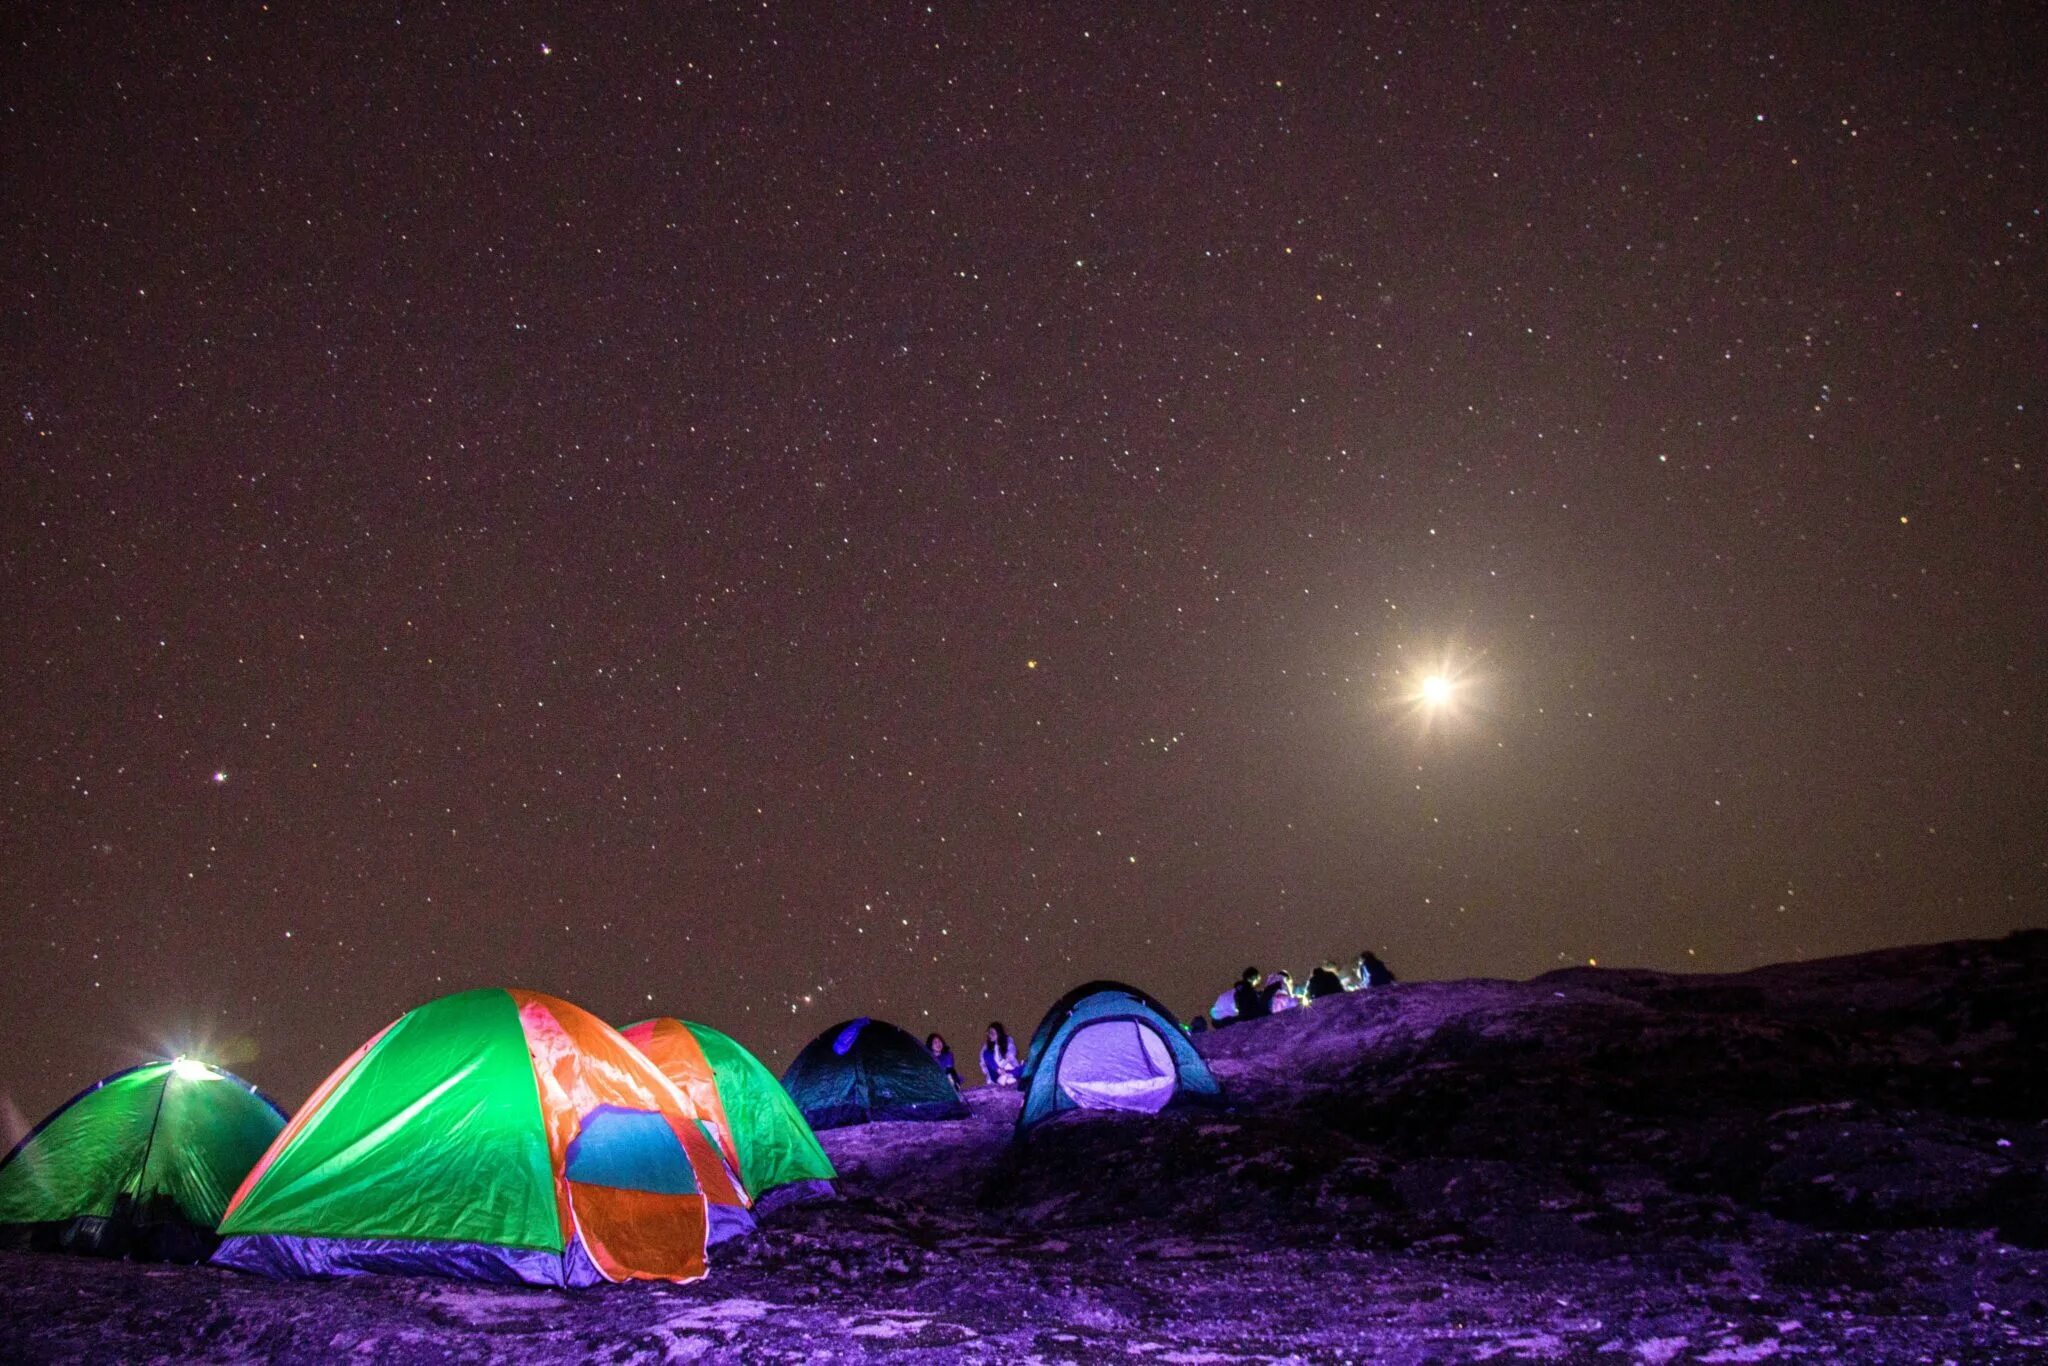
(999, 1065)
(1252, 997)
(1249, 998)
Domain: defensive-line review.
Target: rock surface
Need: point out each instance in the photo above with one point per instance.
(1835, 1161)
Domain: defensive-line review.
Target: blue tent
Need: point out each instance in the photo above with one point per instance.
(866, 1070)
(1107, 1046)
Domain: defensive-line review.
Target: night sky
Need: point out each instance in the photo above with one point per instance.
(776, 513)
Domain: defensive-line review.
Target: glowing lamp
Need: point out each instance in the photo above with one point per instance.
(191, 1069)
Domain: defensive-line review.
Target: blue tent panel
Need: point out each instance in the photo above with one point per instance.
(632, 1150)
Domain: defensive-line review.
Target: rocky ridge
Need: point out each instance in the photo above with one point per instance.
(1843, 1160)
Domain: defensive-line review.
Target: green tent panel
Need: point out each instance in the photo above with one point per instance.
(435, 1134)
(776, 1146)
(143, 1162)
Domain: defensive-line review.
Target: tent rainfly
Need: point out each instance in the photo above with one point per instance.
(758, 1126)
(1107, 1046)
(494, 1135)
(866, 1070)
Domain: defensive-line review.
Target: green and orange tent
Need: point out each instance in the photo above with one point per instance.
(141, 1163)
(491, 1135)
(764, 1135)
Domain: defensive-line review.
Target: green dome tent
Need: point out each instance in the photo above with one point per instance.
(866, 1070)
(496, 1134)
(1107, 1046)
(139, 1164)
(763, 1133)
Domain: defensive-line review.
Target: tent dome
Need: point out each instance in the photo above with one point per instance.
(142, 1162)
(1108, 1046)
(862, 1070)
(762, 1132)
(493, 1135)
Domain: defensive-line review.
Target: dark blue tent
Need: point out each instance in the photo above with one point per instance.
(866, 1070)
(1107, 1046)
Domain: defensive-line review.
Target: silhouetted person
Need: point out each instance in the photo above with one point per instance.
(999, 1056)
(1372, 972)
(943, 1056)
(1324, 981)
(1248, 998)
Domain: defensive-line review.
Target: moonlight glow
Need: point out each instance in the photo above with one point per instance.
(1441, 694)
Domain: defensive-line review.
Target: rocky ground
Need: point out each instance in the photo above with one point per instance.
(1834, 1161)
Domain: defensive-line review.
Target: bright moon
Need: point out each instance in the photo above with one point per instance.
(1436, 690)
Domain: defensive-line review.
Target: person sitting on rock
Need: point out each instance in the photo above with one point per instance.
(1324, 981)
(942, 1054)
(1279, 992)
(999, 1056)
(1225, 1010)
(1250, 1001)
(1372, 972)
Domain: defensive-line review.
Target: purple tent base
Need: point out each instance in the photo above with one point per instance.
(288, 1257)
(794, 1193)
(725, 1221)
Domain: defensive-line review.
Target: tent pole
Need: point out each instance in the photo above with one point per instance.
(149, 1144)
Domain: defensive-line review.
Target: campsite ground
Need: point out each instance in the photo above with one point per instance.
(1835, 1161)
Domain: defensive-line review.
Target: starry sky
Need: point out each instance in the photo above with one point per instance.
(771, 513)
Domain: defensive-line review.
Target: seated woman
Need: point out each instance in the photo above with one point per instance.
(942, 1054)
(999, 1066)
